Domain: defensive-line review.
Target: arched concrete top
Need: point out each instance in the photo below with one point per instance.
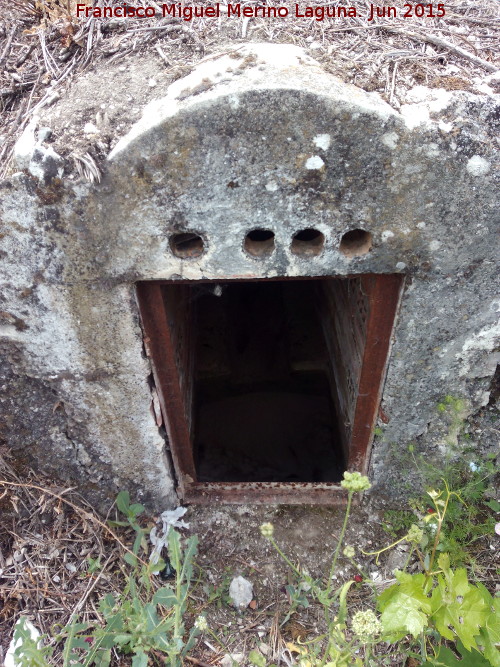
(262, 137)
(251, 68)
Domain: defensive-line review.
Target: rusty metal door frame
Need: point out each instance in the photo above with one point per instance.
(383, 292)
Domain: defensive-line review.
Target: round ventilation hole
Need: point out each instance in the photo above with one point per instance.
(187, 245)
(307, 242)
(355, 243)
(259, 242)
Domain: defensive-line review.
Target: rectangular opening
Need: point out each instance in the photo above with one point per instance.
(269, 388)
(263, 387)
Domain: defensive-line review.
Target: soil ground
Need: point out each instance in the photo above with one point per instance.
(50, 537)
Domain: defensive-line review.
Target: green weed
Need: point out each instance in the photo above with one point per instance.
(433, 606)
(142, 619)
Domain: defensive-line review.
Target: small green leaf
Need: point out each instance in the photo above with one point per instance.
(446, 658)
(458, 607)
(444, 562)
(135, 509)
(94, 564)
(165, 596)
(107, 604)
(123, 502)
(257, 659)
(405, 606)
(343, 602)
(30, 652)
(493, 505)
(103, 659)
(490, 650)
(152, 620)
(118, 523)
(140, 659)
(130, 559)
(137, 542)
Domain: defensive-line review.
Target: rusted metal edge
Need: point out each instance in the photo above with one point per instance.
(160, 350)
(255, 279)
(384, 291)
(286, 493)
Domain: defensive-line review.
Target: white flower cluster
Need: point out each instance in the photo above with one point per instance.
(267, 530)
(201, 624)
(355, 481)
(349, 552)
(365, 624)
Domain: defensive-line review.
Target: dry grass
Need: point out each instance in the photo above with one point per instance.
(43, 46)
(50, 536)
(47, 538)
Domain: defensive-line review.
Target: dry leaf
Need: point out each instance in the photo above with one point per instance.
(56, 9)
(296, 630)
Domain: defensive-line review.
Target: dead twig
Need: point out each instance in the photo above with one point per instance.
(195, 661)
(83, 513)
(439, 41)
(83, 599)
(18, 88)
(458, 18)
(5, 52)
(162, 54)
(86, 167)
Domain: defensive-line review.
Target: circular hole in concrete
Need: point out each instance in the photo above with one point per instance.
(355, 243)
(307, 242)
(259, 242)
(187, 245)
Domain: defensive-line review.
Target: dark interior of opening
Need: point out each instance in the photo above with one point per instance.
(263, 387)
(308, 242)
(259, 242)
(188, 244)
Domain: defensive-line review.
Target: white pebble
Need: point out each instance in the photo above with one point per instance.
(241, 592)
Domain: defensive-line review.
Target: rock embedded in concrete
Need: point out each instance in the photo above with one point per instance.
(42, 162)
(258, 137)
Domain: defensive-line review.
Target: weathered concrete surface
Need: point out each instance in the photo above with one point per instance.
(259, 137)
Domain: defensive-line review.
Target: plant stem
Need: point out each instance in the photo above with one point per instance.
(409, 557)
(423, 647)
(219, 641)
(327, 650)
(339, 543)
(176, 558)
(380, 551)
(441, 516)
(288, 562)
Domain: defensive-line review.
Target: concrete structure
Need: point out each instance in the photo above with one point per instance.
(257, 165)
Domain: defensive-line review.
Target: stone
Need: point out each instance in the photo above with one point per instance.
(90, 128)
(25, 145)
(45, 164)
(44, 133)
(395, 561)
(230, 659)
(260, 135)
(241, 592)
(10, 659)
(40, 161)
